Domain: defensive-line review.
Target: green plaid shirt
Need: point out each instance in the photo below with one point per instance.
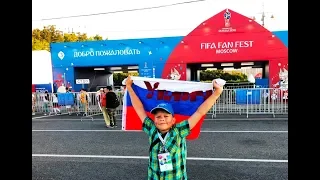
(175, 144)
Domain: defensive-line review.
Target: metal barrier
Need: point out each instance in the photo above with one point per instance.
(49, 106)
(88, 108)
(238, 85)
(252, 101)
(246, 101)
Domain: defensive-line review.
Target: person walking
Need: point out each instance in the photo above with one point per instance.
(112, 104)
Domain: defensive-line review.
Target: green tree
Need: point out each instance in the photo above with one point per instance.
(235, 76)
(72, 37)
(41, 38)
(82, 37)
(119, 77)
(40, 44)
(97, 38)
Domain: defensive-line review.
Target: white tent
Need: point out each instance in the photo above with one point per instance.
(41, 67)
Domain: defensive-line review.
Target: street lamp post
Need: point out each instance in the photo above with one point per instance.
(263, 15)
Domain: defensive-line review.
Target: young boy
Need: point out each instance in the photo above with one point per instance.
(168, 149)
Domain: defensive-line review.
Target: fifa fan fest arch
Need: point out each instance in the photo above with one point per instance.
(230, 37)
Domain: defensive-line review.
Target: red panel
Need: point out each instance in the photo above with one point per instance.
(33, 88)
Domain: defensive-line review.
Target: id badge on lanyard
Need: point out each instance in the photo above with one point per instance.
(164, 158)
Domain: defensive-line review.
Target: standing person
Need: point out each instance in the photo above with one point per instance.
(103, 104)
(84, 102)
(98, 98)
(98, 93)
(33, 104)
(112, 104)
(56, 107)
(46, 100)
(68, 107)
(168, 149)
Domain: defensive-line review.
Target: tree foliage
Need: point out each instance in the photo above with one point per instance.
(205, 76)
(234, 76)
(119, 77)
(41, 39)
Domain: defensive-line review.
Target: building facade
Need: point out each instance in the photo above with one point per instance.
(227, 37)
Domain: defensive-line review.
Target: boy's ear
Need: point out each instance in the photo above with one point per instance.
(173, 120)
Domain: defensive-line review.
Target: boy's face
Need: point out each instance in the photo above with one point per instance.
(163, 120)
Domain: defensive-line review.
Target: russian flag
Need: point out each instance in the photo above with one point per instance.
(184, 96)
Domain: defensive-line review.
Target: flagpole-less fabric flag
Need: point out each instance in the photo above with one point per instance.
(184, 96)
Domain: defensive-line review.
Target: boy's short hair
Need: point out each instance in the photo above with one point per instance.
(163, 106)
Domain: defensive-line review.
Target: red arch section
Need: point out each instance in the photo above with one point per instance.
(229, 37)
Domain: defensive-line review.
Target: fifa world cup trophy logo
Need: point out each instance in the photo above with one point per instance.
(227, 16)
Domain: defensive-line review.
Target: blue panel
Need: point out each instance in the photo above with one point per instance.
(248, 96)
(262, 83)
(283, 36)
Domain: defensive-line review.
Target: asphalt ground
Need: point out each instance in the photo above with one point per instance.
(64, 147)
(65, 116)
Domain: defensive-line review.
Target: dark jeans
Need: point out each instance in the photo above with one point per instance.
(112, 115)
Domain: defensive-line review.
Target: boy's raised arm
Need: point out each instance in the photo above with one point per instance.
(205, 106)
(136, 103)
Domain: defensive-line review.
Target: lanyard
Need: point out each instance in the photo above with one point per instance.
(165, 138)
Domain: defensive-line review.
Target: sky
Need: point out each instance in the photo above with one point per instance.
(163, 22)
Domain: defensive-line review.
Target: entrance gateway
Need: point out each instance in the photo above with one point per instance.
(226, 38)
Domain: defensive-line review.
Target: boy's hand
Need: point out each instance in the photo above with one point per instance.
(128, 81)
(216, 86)
(135, 101)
